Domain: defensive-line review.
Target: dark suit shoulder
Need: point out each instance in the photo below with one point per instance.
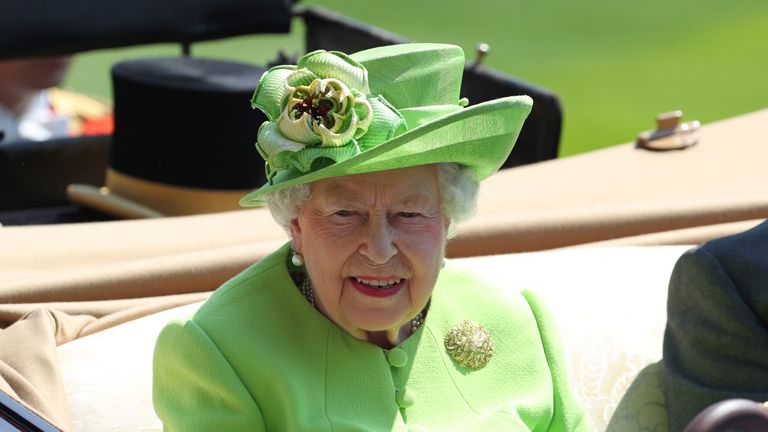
(744, 259)
(754, 241)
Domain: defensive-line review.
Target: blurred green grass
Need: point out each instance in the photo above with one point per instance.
(615, 64)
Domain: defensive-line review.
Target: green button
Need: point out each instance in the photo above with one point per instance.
(404, 398)
(397, 357)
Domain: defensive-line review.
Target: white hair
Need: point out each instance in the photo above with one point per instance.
(458, 193)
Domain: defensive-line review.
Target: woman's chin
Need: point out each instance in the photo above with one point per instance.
(364, 309)
(377, 313)
(379, 321)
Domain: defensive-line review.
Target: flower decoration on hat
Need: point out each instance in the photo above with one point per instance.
(320, 108)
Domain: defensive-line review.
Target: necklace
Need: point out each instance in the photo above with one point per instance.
(306, 290)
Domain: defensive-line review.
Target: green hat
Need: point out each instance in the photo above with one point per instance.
(384, 108)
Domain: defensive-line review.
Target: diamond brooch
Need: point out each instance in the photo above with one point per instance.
(470, 344)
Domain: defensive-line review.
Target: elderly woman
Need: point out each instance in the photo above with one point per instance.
(358, 323)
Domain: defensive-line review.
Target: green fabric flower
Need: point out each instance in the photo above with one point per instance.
(325, 113)
(320, 108)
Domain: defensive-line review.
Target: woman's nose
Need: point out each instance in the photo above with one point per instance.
(379, 244)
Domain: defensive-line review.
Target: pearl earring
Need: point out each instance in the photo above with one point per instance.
(442, 263)
(297, 259)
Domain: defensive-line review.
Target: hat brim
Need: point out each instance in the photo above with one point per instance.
(480, 137)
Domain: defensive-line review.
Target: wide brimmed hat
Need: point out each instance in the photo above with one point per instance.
(385, 108)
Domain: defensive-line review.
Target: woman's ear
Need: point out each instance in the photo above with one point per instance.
(296, 235)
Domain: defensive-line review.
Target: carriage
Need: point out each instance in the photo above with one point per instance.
(105, 284)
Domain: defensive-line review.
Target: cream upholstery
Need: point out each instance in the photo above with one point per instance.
(610, 305)
(108, 375)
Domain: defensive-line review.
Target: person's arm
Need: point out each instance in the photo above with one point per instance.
(568, 414)
(715, 345)
(195, 387)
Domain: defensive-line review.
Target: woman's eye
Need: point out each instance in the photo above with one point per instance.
(344, 213)
(408, 215)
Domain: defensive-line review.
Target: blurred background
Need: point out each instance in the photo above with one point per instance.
(615, 64)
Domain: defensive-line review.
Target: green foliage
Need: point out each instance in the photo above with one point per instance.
(615, 64)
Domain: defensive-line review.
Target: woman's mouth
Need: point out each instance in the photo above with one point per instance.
(377, 287)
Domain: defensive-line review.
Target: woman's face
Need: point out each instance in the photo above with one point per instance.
(373, 244)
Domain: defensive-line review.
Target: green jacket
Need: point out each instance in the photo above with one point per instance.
(257, 356)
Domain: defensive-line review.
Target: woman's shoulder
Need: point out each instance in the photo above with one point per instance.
(249, 289)
(463, 294)
(252, 307)
(465, 289)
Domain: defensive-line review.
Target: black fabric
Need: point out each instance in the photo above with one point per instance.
(36, 174)
(540, 137)
(71, 213)
(330, 31)
(187, 122)
(46, 27)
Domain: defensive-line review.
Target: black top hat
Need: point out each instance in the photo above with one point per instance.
(183, 140)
